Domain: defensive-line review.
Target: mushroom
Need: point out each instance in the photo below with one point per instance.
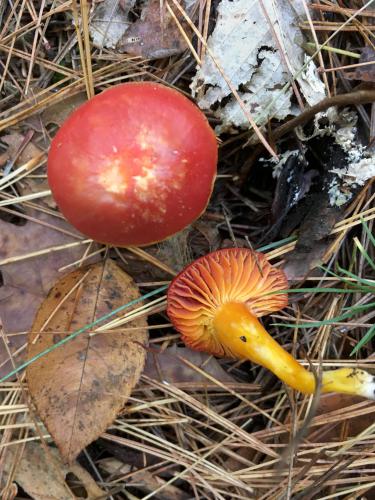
(215, 303)
(133, 165)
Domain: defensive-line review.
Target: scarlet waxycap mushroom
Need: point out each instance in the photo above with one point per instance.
(215, 303)
(133, 165)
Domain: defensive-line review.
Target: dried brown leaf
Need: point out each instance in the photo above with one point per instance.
(352, 425)
(59, 112)
(25, 283)
(168, 366)
(109, 22)
(14, 142)
(22, 155)
(143, 479)
(155, 34)
(79, 388)
(10, 493)
(342, 415)
(42, 475)
(4, 157)
(364, 73)
(207, 234)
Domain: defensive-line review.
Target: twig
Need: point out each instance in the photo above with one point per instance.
(352, 98)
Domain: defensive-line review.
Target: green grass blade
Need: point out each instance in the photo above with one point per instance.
(371, 237)
(346, 281)
(369, 335)
(314, 324)
(314, 290)
(364, 253)
(362, 307)
(82, 330)
(357, 278)
(277, 244)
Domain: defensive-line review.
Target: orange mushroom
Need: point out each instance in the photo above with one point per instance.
(215, 303)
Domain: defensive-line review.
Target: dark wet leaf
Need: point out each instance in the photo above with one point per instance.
(313, 237)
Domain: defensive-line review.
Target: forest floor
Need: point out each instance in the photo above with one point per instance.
(294, 182)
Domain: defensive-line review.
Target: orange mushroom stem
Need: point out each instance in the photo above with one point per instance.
(215, 304)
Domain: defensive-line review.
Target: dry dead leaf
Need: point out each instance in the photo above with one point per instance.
(42, 475)
(345, 415)
(143, 479)
(175, 251)
(167, 366)
(155, 34)
(78, 389)
(207, 234)
(109, 22)
(28, 184)
(351, 425)
(172, 255)
(246, 44)
(25, 283)
(14, 142)
(60, 111)
(4, 157)
(10, 493)
(365, 73)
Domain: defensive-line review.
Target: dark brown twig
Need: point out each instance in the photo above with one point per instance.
(352, 98)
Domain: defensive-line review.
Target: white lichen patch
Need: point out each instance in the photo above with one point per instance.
(340, 125)
(357, 173)
(337, 197)
(311, 85)
(246, 43)
(360, 166)
(349, 178)
(278, 164)
(262, 88)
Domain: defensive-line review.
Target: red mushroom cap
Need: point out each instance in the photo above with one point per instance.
(133, 165)
(227, 275)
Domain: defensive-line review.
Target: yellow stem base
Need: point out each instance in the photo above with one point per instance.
(243, 336)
